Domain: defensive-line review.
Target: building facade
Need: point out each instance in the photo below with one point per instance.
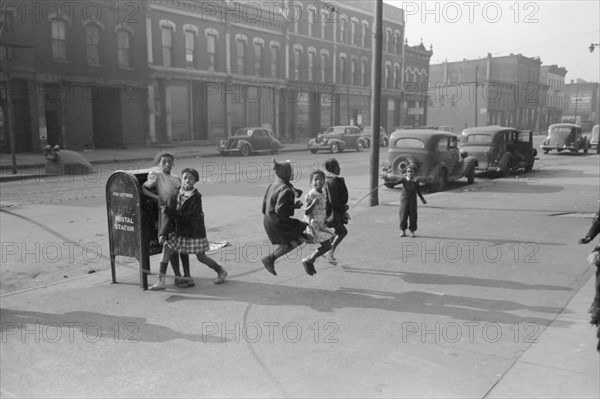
(110, 74)
(487, 91)
(582, 104)
(553, 77)
(73, 75)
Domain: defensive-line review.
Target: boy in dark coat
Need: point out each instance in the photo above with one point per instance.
(278, 209)
(337, 205)
(408, 202)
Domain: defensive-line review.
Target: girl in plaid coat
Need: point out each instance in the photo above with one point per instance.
(185, 232)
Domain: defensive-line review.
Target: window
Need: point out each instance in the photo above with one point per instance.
(398, 43)
(343, 72)
(324, 17)
(323, 67)
(365, 27)
(241, 56)
(123, 48)
(92, 42)
(59, 40)
(167, 45)
(354, 33)
(353, 71)
(364, 78)
(443, 144)
(396, 76)
(258, 59)
(311, 64)
(342, 30)
(410, 143)
(211, 51)
(190, 45)
(274, 61)
(297, 55)
(312, 19)
(388, 41)
(388, 76)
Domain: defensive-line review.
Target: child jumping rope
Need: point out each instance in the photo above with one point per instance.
(189, 236)
(315, 215)
(408, 202)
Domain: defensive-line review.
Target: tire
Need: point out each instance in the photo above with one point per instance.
(335, 148)
(224, 153)
(546, 151)
(471, 176)
(529, 168)
(360, 145)
(442, 180)
(245, 150)
(585, 149)
(507, 169)
(384, 143)
(313, 151)
(274, 152)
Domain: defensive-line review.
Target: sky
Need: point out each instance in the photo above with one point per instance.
(558, 32)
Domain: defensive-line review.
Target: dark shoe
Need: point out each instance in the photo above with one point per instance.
(221, 278)
(180, 283)
(190, 281)
(309, 267)
(403, 234)
(269, 265)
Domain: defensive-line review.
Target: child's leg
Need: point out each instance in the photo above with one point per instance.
(413, 219)
(323, 248)
(280, 250)
(185, 262)
(164, 264)
(222, 273)
(175, 264)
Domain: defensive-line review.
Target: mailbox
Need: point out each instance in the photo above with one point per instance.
(132, 221)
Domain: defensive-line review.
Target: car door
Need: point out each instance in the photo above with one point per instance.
(259, 140)
(351, 136)
(448, 155)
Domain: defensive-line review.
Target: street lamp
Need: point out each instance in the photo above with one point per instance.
(593, 46)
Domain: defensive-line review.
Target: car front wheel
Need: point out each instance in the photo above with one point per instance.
(360, 145)
(245, 150)
(313, 151)
(384, 143)
(335, 148)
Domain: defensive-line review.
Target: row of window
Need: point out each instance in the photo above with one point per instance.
(93, 42)
(355, 36)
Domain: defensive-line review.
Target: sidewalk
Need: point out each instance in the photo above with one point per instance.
(364, 328)
(30, 165)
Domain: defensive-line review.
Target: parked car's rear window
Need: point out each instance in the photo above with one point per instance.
(410, 143)
(560, 130)
(478, 138)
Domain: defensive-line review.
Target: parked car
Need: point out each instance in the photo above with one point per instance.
(593, 142)
(565, 137)
(337, 139)
(499, 149)
(247, 140)
(383, 137)
(433, 153)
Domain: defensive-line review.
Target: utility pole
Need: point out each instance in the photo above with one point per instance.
(476, 110)
(376, 102)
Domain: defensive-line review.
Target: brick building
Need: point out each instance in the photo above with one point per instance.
(107, 74)
(582, 103)
(488, 91)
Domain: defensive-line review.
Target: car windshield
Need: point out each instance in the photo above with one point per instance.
(478, 138)
(410, 143)
(560, 131)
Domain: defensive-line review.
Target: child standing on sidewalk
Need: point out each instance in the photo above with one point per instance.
(408, 202)
(167, 187)
(189, 236)
(315, 216)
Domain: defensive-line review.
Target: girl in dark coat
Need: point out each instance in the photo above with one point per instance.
(184, 230)
(408, 202)
(278, 209)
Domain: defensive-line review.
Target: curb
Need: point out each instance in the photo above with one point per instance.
(27, 176)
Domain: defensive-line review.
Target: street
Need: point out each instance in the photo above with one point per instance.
(444, 314)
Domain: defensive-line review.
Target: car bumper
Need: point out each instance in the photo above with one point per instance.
(558, 148)
(487, 168)
(319, 146)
